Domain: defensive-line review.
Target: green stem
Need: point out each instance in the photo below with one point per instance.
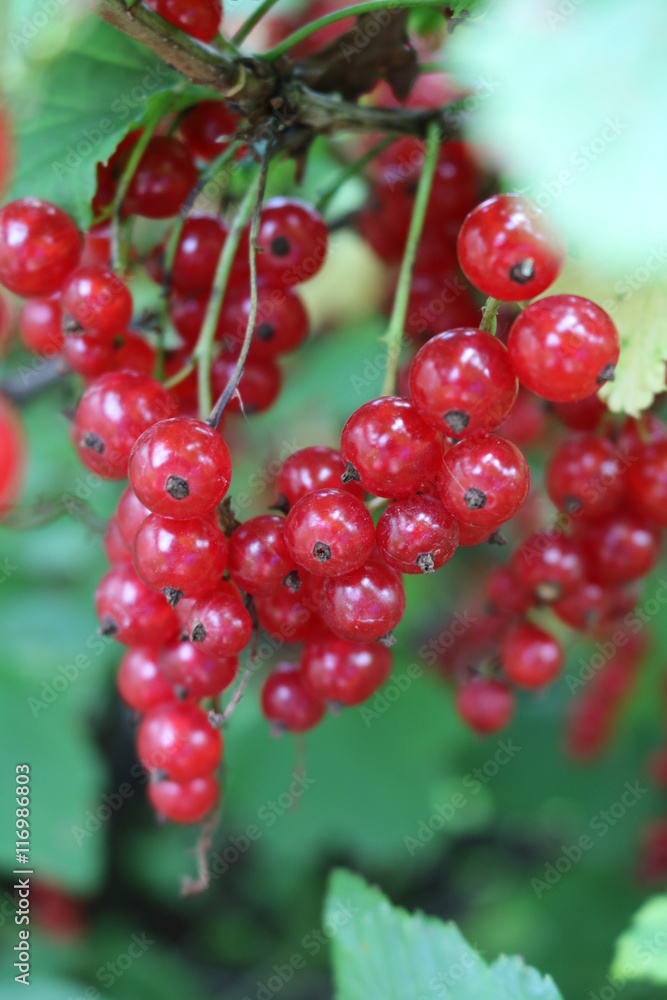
(350, 171)
(339, 15)
(432, 67)
(489, 315)
(251, 21)
(395, 330)
(180, 376)
(203, 352)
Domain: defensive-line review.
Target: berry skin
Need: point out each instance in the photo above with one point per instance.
(506, 249)
(475, 534)
(115, 548)
(486, 705)
(39, 246)
(113, 411)
(391, 451)
(287, 703)
(293, 240)
(207, 127)
(140, 682)
(289, 616)
(199, 248)
(484, 481)
(619, 548)
(282, 322)
(197, 18)
(315, 468)
(180, 558)
(134, 353)
(417, 535)
(259, 559)
(178, 740)
(130, 514)
(329, 533)
(530, 657)
(563, 348)
(647, 482)
(163, 180)
(12, 456)
(258, 387)
(219, 624)
(130, 612)
(585, 608)
(97, 301)
(548, 568)
(365, 604)
(88, 356)
(461, 382)
(40, 326)
(584, 415)
(505, 594)
(180, 468)
(194, 673)
(585, 477)
(344, 673)
(187, 802)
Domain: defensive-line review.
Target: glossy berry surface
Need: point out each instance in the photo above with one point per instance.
(344, 673)
(390, 449)
(291, 616)
(619, 547)
(97, 301)
(140, 682)
(505, 594)
(88, 356)
(287, 703)
(461, 382)
(163, 180)
(40, 326)
(39, 246)
(259, 559)
(130, 513)
(329, 532)
(314, 468)
(207, 127)
(179, 740)
(294, 240)
(586, 477)
(484, 481)
(219, 624)
(115, 548)
(281, 325)
(258, 387)
(186, 802)
(365, 604)
(12, 455)
(549, 566)
(183, 558)
(647, 482)
(507, 250)
(197, 18)
(193, 673)
(530, 656)
(486, 705)
(563, 348)
(113, 411)
(199, 247)
(130, 612)
(417, 535)
(180, 468)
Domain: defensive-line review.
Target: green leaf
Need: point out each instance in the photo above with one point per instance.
(381, 952)
(77, 111)
(591, 154)
(640, 951)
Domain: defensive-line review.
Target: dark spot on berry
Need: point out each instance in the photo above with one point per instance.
(475, 499)
(280, 246)
(388, 640)
(457, 421)
(350, 474)
(94, 442)
(173, 595)
(180, 692)
(608, 374)
(71, 326)
(265, 331)
(292, 581)
(322, 552)
(177, 487)
(523, 271)
(572, 505)
(198, 633)
(108, 626)
(425, 562)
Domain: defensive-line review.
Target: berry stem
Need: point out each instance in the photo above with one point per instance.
(338, 15)
(350, 171)
(251, 21)
(230, 388)
(203, 352)
(489, 316)
(395, 330)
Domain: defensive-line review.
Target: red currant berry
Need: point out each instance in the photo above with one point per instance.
(461, 382)
(180, 558)
(88, 356)
(585, 608)
(130, 513)
(548, 568)
(180, 468)
(287, 703)
(619, 547)
(178, 740)
(484, 481)
(39, 246)
(439, 302)
(97, 301)
(585, 477)
(315, 468)
(197, 18)
(389, 449)
(476, 534)
(163, 180)
(527, 421)
(486, 705)
(291, 616)
(113, 412)
(200, 246)
(258, 387)
(219, 623)
(115, 548)
(563, 348)
(130, 612)
(344, 673)
(293, 241)
(584, 415)
(417, 535)
(363, 605)
(258, 557)
(530, 657)
(207, 128)
(184, 802)
(329, 532)
(647, 482)
(281, 325)
(505, 593)
(40, 326)
(507, 250)
(13, 452)
(195, 674)
(132, 353)
(141, 685)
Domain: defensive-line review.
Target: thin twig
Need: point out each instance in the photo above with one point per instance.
(247, 674)
(23, 386)
(190, 886)
(354, 168)
(251, 21)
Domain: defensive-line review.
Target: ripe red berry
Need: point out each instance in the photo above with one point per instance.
(207, 128)
(293, 240)
(97, 301)
(548, 567)
(39, 246)
(585, 608)
(130, 514)
(389, 449)
(132, 352)
(584, 415)
(619, 547)
(315, 468)
(281, 325)
(585, 477)
(194, 673)
(486, 705)
(115, 548)
(163, 180)
(88, 356)
(329, 532)
(291, 616)
(184, 558)
(647, 482)
(530, 656)
(40, 326)
(563, 348)
(344, 673)
(365, 604)
(506, 595)
(140, 682)
(219, 624)
(178, 740)
(417, 535)
(258, 387)
(184, 802)
(12, 456)
(507, 250)
(180, 468)
(476, 534)
(130, 612)
(287, 703)
(461, 382)
(113, 411)
(484, 481)
(258, 557)
(198, 18)
(201, 242)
